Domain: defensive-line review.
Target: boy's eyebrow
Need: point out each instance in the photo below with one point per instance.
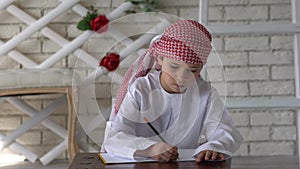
(195, 67)
(190, 67)
(174, 63)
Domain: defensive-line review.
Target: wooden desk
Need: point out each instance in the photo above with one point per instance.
(91, 161)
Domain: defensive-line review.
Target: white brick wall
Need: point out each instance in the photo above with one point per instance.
(247, 73)
(271, 58)
(246, 13)
(237, 89)
(272, 88)
(30, 46)
(272, 148)
(7, 18)
(39, 4)
(269, 2)
(282, 72)
(280, 11)
(10, 122)
(7, 32)
(283, 117)
(287, 132)
(215, 13)
(281, 42)
(240, 118)
(266, 132)
(255, 133)
(31, 138)
(179, 3)
(189, 12)
(259, 66)
(246, 43)
(8, 63)
(255, 66)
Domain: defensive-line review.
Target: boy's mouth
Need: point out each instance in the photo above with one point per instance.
(179, 86)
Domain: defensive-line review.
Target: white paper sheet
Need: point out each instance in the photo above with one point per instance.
(107, 158)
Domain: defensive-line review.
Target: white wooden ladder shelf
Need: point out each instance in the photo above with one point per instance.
(42, 78)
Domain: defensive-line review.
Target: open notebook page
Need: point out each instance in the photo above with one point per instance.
(107, 158)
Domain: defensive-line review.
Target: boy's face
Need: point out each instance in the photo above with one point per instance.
(176, 76)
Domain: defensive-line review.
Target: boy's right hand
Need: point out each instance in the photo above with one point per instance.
(163, 152)
(160, 151)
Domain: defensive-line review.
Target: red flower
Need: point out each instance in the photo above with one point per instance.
(110, 62)
(99, 22)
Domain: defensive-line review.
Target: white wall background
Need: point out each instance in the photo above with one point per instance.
(255, 65)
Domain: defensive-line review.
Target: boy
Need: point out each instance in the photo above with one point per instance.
(184, 109)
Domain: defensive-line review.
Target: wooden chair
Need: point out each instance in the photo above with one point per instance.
(15, 83)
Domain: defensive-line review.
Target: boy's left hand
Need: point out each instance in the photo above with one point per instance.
(209, 155)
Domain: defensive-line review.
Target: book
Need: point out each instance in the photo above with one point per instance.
(107, 158)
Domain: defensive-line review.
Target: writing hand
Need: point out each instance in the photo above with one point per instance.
(160, 151)
(164, 152)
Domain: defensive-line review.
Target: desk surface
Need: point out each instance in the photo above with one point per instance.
(91, 161)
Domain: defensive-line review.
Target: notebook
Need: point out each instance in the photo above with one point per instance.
(107, 158)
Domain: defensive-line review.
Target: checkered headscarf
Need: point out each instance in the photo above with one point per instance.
(185, 40)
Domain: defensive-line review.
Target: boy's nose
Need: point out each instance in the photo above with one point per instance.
(182, 75)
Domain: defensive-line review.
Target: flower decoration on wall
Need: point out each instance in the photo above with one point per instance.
(143, 5)
(111, 61)
(99, 24)
(93, 21)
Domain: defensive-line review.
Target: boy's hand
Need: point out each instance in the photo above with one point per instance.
(160, 152)
(209, 155)
(163, 152)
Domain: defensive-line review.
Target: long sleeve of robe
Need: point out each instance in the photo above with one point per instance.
(195, 119)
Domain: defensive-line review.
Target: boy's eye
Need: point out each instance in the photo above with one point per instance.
(194, 70)
(174, 66)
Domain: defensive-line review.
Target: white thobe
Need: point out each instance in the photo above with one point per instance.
(195, 119)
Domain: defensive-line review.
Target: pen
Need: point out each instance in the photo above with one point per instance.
(155, 131)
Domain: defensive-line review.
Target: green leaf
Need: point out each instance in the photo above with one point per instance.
(135, 2)
(93, 10)
(130, 11)
(148, 8)
(83, 25)
(147, 5)
(155, 2)
(90, 17)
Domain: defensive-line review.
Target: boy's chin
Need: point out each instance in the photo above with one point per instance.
(179, 90)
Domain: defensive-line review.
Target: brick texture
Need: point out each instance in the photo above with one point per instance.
(246, 12)
(272, 148)
(252, 65)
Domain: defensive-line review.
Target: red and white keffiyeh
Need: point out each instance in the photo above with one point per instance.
(185, 40)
